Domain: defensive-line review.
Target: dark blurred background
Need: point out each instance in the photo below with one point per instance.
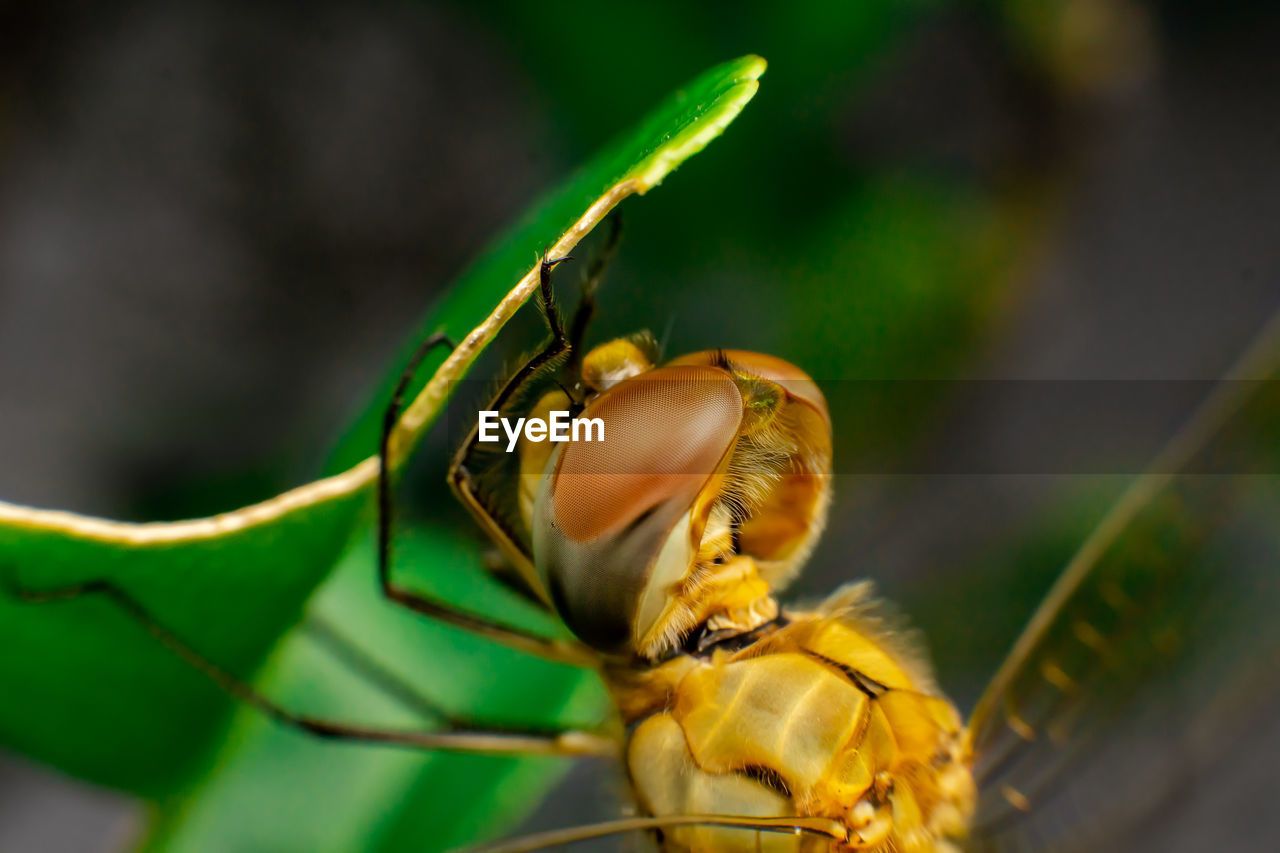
(219, 221)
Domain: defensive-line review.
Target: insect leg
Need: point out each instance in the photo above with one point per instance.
(586, 309)
(357, 660)
(461, 478)
(793, 825)
(458, 737)
(557, 650)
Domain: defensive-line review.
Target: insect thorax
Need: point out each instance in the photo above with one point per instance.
(824, 714)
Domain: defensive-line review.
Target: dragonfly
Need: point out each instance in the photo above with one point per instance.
(745, 723)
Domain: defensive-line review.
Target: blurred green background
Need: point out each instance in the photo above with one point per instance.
(218, 224)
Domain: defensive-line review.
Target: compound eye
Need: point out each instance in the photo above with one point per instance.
(611, 509)
(785, 525)
(793, 380)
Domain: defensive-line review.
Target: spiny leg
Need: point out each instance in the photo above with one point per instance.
(460, 476)
(458, 738)
(552, 649)
(586, 309)
(792, 825)
(359, 661)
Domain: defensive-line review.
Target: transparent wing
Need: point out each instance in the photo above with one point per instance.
(1157, 650)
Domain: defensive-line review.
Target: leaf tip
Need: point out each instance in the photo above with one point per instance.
(738, 81)
(753, 66)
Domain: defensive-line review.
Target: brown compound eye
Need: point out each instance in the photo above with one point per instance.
(618, 521)
(786, 524)
(794, 381)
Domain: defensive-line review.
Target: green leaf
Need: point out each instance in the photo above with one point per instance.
(89, 691)
(634, 163)
(274, 789)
